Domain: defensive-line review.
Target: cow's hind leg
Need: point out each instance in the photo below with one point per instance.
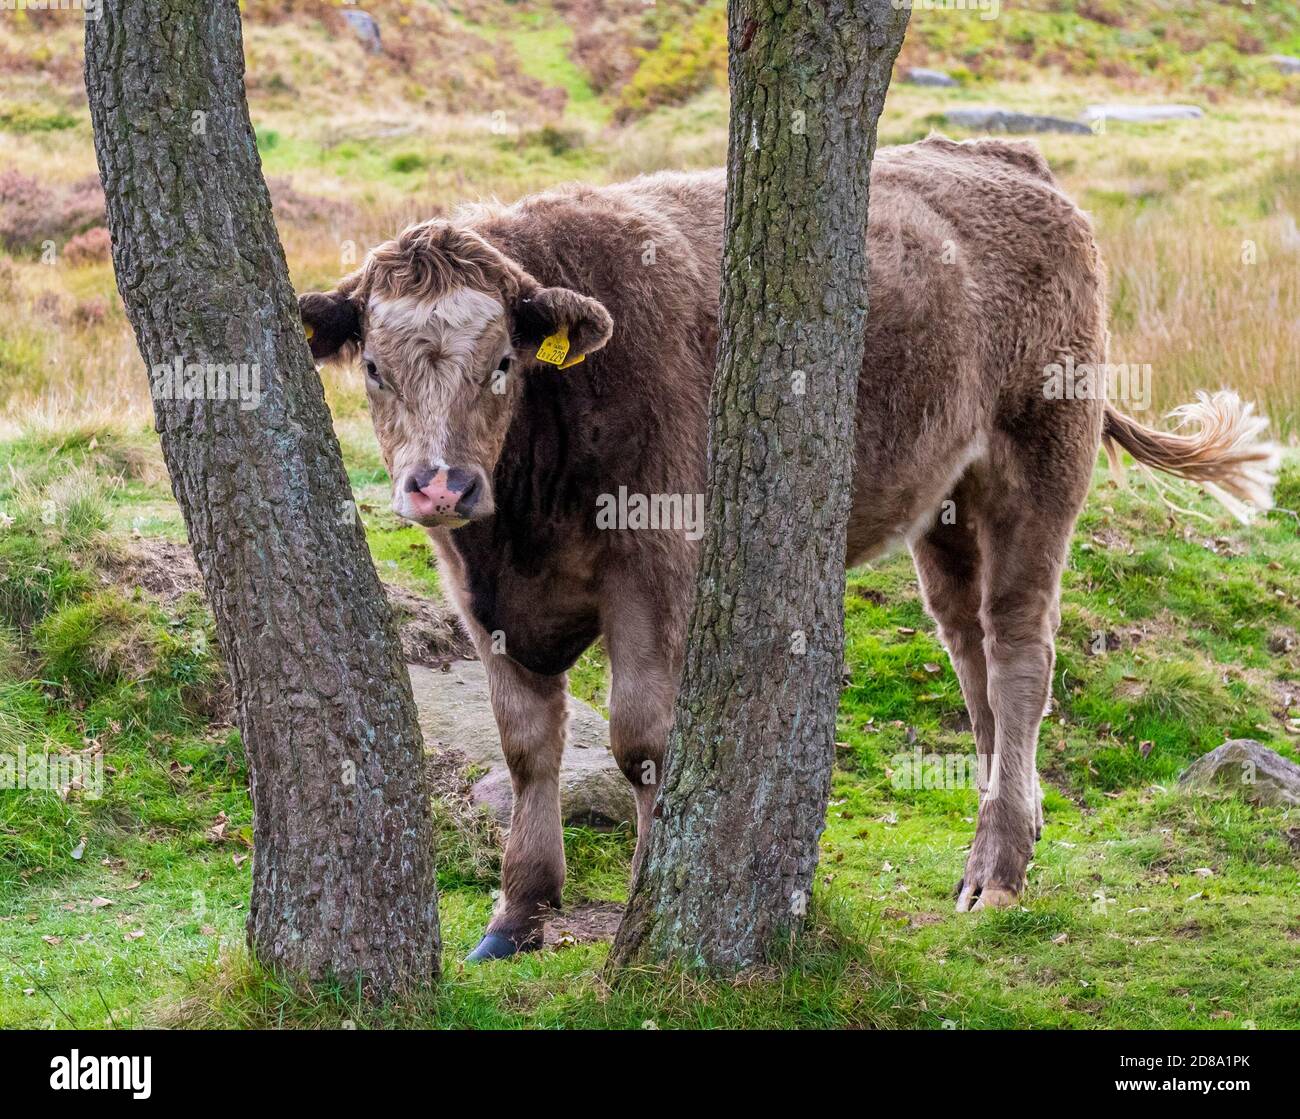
(948, 564)
(531, 713)
(1023, 537)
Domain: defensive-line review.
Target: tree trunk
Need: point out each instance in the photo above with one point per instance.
(729, 869)
(343, 880)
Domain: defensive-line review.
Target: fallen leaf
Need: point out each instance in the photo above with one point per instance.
(135, 934)
(217, 832)
(79, 849)
(100, 903)
(1062, 939)
(55, 940)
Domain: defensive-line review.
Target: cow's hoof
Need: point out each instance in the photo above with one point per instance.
(974, 897)
(994, 877)
(498, 946)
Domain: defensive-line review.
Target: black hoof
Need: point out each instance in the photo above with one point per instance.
(496, 946)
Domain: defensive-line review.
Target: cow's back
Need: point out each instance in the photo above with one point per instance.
(982, 273)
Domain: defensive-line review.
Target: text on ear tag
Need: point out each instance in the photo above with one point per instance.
(555, 347)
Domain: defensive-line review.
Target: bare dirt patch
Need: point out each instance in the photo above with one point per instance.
(584, 924)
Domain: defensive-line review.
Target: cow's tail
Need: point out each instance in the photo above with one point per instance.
(1228, 456)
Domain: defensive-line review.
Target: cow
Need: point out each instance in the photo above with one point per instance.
(525, 362)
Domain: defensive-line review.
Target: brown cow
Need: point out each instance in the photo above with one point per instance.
(526, 364)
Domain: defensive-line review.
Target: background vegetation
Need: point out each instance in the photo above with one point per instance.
(1146, 908)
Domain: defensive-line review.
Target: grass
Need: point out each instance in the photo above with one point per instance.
(1146, 908)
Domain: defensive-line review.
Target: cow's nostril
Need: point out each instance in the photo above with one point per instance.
(469, 497)
(416, 480)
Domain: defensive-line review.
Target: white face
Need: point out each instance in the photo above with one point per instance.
(439, 400)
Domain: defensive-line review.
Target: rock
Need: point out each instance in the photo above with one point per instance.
(1141, 114)
(1263, 775)
(456, 714)
(366, 28)
(1288, 64)
(918, 75)
(1004, 120)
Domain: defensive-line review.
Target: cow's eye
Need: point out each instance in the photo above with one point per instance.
(372, 375)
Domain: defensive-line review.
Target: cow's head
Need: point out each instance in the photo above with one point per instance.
(446, 327)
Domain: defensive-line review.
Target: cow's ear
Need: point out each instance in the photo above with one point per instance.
(558, 322)
(332, 322)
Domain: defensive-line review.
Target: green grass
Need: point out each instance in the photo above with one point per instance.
(1146, 908)
(543, 48)
(25, 118)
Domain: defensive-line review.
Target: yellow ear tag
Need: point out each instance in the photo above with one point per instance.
(309, 330)
(555, 348)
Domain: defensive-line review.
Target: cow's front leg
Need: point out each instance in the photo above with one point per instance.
(644, 665)
(531, 713)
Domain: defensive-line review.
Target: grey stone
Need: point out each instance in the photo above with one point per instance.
(1142, 114)
(1262, 775)
(456, 714)
(1004, 120)
(366, 28)
(1287, 63)
(918, 75)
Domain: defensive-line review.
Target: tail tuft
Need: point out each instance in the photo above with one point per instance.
(1228, 456)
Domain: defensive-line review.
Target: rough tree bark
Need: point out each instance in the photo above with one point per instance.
(343, 880)
(731, 858)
